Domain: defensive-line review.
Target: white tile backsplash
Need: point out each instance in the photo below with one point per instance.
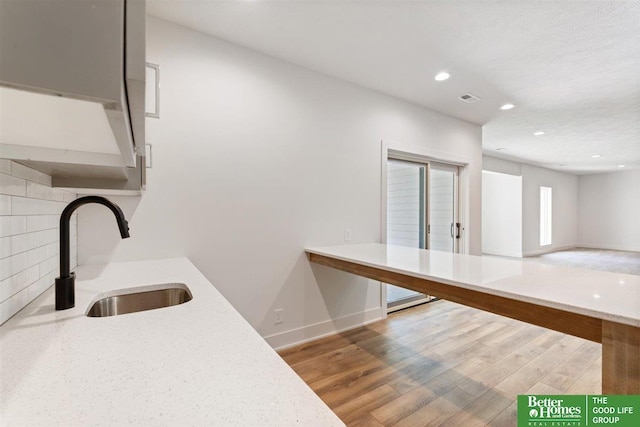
(5, 166)
(23, 242)
(12, 265)
(37, 255)
(45, 237)
(5, 204)
(12, 225)
(39, 191)
(42, 222)
(29, 231)
(26, 206)
(5, 247)
(12, 186)
(19, 281)
(49, 265)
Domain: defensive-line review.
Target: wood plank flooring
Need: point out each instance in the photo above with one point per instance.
(444, 364)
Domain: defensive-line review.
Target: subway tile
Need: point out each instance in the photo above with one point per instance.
(45, 237)
(22, 171)
(12, 225)
(12, 265)
(13, 305)
(55, 208)
(42, 222)
(5, 247)
(29, 217)
(69, 197)
(37, 255)
(39, 191)
(23, 242)
(25, 206)
(49, 265)
(18, 282)
(12, 186)
(34, 290)
(5, 204)
(5, 166)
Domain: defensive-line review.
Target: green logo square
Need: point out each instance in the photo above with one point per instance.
(578, 410)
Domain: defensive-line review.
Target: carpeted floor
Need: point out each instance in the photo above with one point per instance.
(594, 259)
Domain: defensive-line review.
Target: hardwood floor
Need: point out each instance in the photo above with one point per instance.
(443, 364)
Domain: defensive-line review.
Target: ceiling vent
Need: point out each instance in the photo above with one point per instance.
(469, 98)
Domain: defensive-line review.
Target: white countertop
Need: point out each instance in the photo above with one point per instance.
(604, 295)
(198, 363)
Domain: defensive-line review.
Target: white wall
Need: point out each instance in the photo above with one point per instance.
(494, 164)
(254, 159)
(565, 209)
(565, 204)
(501, 214)
(29, 235)
(609, 210)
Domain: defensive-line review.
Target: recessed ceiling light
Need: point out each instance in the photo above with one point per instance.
(501, 149)
(507, 107)
(596, 156)
(440, 77)
(539, 133)
(596, 296)
(621, 166)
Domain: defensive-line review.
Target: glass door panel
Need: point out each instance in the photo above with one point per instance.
(444, 227)
(406, 219)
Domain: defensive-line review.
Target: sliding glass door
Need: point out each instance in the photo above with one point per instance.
(421, 213)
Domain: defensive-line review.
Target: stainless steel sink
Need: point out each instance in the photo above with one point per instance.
(142, 298)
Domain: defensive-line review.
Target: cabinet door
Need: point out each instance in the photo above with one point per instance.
(65, 47)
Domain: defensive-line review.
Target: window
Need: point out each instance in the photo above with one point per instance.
(545, 215)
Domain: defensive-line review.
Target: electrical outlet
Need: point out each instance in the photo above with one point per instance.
(277, 317)
(347, 234)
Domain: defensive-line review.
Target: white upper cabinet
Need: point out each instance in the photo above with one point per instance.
(72, 86)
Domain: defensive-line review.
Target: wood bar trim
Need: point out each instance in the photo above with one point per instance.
(620, 358)
(575, 324)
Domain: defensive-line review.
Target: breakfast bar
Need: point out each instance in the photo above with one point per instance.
(598, 306)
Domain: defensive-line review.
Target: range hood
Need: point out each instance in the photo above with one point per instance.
(72, 89)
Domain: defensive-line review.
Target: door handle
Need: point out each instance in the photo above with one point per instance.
(452, 230)
(457, 230)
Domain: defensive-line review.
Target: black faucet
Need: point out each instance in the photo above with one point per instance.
(65, 284)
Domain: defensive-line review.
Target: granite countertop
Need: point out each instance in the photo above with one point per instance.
(198, 363)
(604, 295)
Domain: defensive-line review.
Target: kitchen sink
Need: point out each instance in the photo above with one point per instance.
(142, 298)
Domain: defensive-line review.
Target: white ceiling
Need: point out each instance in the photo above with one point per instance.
(571, 67)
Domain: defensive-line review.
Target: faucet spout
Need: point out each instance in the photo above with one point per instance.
(65, 284)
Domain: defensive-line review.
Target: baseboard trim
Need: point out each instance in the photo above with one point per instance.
(308, 333)
(548, 250)
(503, 254)
(609, 247)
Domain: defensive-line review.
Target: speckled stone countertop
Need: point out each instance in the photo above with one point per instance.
(600, 294)
(198, 363)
